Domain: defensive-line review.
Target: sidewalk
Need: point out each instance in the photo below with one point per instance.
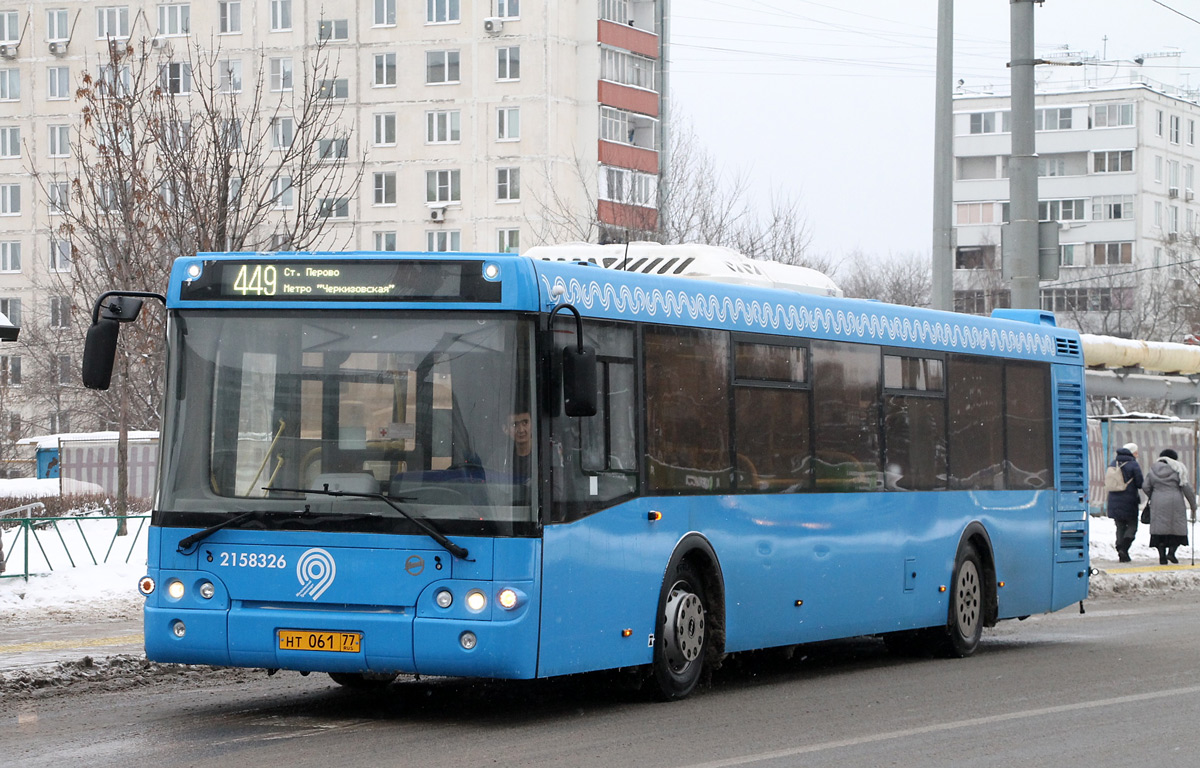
(42, 639)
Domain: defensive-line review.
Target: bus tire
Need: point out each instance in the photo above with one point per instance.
(363, 681)
(964, 626)
(681, 634)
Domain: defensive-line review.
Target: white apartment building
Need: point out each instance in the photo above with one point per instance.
(1117, 160)
(486, 124)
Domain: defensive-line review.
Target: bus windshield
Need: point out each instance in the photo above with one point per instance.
(272, 411)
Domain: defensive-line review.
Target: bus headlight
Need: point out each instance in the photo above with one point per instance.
(175, 589)
(508, 599)
(476, 600)
(443, 598)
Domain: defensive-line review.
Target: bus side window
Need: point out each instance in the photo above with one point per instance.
(593, 460)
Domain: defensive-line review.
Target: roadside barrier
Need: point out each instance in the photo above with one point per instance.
(38, 545)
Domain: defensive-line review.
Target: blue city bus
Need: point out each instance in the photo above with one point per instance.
(494, 466)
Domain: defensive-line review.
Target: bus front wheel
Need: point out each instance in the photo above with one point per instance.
(681, 633)
(964, 626)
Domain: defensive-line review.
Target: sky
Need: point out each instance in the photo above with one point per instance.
(831, 103)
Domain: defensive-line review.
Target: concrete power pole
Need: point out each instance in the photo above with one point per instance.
(1020, 248)
(942, 293)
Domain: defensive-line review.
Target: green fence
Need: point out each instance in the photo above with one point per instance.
(37, 545)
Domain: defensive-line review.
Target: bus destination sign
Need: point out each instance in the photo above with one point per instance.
(341, 280)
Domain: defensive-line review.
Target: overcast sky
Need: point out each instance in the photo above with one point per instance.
(832, 102)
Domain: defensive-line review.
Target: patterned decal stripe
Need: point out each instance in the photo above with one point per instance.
(729, 311)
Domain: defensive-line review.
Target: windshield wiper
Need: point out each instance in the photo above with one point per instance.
(433, 533)
(187, 542)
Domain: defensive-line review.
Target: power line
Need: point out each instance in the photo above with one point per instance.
(1174, 10)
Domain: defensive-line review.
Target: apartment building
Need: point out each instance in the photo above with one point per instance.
(1117, 158)
(487, 125)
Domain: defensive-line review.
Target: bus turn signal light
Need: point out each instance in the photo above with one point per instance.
(654, 515)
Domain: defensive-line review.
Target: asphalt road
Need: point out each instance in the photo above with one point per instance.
(1119, 686)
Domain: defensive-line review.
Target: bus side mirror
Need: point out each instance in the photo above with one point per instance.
(99, 353)
(579, 381)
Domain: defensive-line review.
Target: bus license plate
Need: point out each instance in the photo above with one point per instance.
(305, 640)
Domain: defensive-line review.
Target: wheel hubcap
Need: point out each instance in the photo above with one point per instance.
(967, 599)
(684, 628)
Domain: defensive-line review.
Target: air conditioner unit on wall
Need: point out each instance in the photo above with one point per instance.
(1173, 192)
(157, 42)
(58, 48)
(1189, 194)
(493, 25)
(437, 214)
(8, 51)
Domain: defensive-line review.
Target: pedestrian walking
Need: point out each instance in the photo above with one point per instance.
(1123, 487)
(1172, 502)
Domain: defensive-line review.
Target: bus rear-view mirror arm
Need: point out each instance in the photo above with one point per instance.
(100, 348)
(578, 370)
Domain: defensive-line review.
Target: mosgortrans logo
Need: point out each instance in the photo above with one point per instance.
(315, 571)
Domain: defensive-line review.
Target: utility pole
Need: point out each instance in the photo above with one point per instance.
(942, 293)
(1020, 249)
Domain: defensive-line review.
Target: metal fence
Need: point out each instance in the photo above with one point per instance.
(37, 545)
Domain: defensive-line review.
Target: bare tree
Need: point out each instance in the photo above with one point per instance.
(903, 279)
(172, 156)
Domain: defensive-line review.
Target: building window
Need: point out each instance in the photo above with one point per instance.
(441, 67)
(385, 13)
(333, 149)
(60, 255)
(1106, 254)
(230, 12)
(621, 185)
(282, 194)
(58, 25)
(59, 423)
(1191, 135)
(60, 311)
(628, 128)
(385, 188)
(1176, 128)
(1053, 119)
(1112, 207)
(1116, 161)
(508, 63)
(10, 29)
(334, 208)
(10, 261)
(385, 129)
(441, 11)
(442, 127)
(976, 302)
(10, 141)
(385, 241)
(10, 84)
(1112, 115)
(281, 15)
(508, 124)
(1158, 122)
(1086, 299)
(58, 81)
(508, 9)
(336, 30)
(174, 19)
(508, 184)
(281, 74)
(229, 73)
(975, 213)
(626, 68)
(338, 88)
(983, 122)
(10, 370)
(441, 241)
(1071, 255)
(112, 21)
(65, 369)
(975, 257)
(176, 78)
(283, 130)
(12, 310)
(509, 241)
(442, 186)
(10, 199)
(385, 69)
(1061, 210)
(56, 196)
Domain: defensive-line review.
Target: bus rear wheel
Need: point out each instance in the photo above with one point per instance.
(964, 626)
(681, 634)
(363, 681)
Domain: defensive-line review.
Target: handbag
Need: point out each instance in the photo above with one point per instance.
(1146, 513)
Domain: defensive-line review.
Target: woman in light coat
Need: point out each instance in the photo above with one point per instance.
(1167, 486)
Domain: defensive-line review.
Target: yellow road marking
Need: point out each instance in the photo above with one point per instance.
(51, 645)
(1149, 568)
